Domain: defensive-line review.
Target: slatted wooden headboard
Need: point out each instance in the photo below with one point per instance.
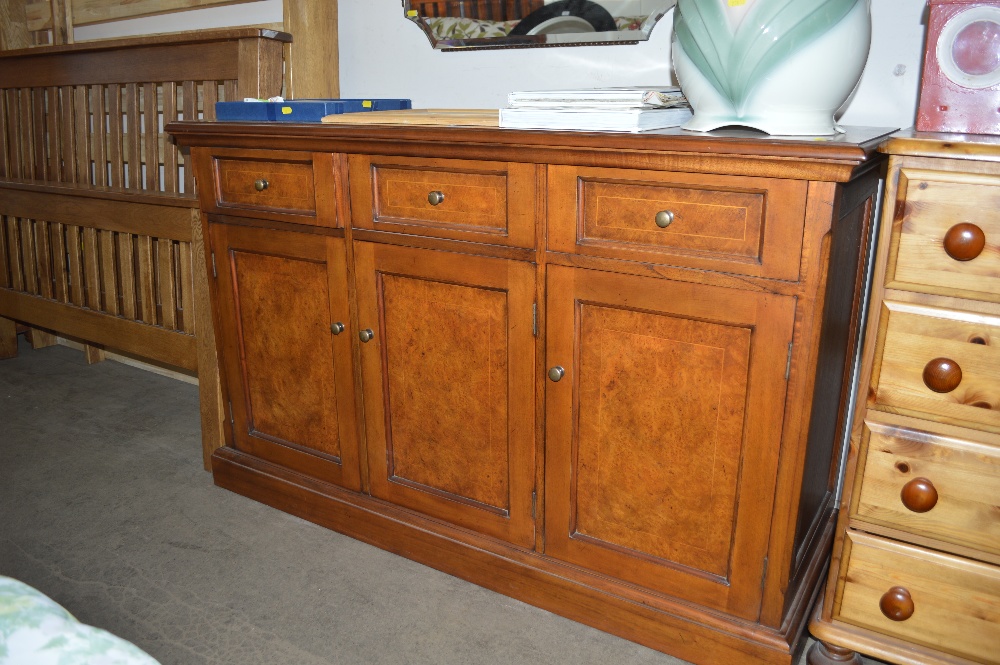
(99, 232)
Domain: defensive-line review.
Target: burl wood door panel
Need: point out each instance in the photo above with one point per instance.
(662, 435)
(290, 378)
(448, 385)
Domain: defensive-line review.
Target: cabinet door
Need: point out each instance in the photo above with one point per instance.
(448, 385)
(662, 433)
(288, 366)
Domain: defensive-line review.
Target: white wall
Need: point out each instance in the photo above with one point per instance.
(384, 55)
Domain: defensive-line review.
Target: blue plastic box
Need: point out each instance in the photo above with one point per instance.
(302, 110)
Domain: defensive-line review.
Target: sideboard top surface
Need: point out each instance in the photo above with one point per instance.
(835, 158)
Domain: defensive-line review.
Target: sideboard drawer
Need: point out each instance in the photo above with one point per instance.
(946, 234)
(736, 224)
(282, 186)
(489, 202)
(930, 485)
(941, 362)
(939, 601)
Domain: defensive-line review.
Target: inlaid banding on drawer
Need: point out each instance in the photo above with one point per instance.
(488, 202)
(948, 596)
(707, 220)
(739, 224)
(280, 186)
(476, 200)
(930, 485)
(915, 341)
(946, 234)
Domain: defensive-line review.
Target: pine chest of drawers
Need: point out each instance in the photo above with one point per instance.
(916, 564)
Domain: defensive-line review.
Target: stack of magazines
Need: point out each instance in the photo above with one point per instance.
(599, 109)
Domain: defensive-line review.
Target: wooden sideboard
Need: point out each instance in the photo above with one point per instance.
(916, 564)
(603, 374)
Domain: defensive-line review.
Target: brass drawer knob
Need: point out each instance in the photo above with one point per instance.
(964, 242)
(337, 328)
(556, 373)
(664, 218)
(896, 604)
(919, 495)
(435, 198)
(942, 375)
(260, 184)
(367, 335)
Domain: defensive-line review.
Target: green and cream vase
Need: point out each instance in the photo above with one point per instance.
(781, 66)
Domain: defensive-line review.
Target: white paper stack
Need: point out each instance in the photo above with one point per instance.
(600, 109)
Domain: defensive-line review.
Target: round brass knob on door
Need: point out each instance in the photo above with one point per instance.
(556, 373)
(435, 198)
(337, 328)
(919, 495)
(367, 335)
(260, 184)
(896, 604)
(664, 218)
(964, 242)
(942, 375)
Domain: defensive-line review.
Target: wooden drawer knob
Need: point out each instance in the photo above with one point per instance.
(964, 242)
(942, 375)
(896, 604)
(260, 184)
(919, 495)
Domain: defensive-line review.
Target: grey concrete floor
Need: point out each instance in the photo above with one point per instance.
(105, 507)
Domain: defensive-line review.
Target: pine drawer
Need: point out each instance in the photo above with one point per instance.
(946, 234)
(931, 485)
(938, 601)
(940, 363)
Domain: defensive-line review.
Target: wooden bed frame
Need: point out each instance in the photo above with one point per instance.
(100, 237)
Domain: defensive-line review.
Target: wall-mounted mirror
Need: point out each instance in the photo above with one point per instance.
(464, 24)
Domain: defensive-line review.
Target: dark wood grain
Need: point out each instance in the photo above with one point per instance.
(8, 338)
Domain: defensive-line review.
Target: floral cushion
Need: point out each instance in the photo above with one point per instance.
(449, 27)
(35, 629)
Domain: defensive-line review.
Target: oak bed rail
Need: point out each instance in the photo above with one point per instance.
(100, 238)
